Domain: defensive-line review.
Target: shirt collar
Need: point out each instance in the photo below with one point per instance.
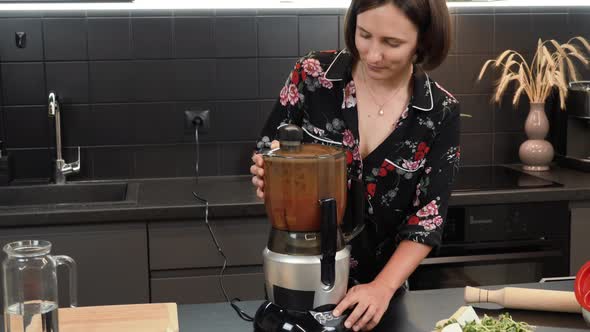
(422, 91)
(341, 68)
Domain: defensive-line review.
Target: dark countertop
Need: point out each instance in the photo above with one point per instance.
(411, 312)
(234, 196)
(415, 311)
(576, 187)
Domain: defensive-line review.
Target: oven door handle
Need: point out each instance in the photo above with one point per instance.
(491, 258)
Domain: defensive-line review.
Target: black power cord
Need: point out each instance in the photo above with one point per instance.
(239, 311)
(197, 123)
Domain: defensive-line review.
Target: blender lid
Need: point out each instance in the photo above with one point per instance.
(291, 146)
(307, 151)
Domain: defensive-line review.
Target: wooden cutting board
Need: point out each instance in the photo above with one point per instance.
(161, 317)
(148, 317)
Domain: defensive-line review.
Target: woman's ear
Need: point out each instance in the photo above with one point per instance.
(415, 57)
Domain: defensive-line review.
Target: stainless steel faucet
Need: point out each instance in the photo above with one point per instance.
(61, 167)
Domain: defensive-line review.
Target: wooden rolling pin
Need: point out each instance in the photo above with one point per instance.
(525, 298)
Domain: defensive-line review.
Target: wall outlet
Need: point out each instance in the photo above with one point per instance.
(197, 119)
(20, 38)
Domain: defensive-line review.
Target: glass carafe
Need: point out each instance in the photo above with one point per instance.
(297, 176)
(30, 286)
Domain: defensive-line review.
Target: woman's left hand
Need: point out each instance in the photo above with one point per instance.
(371, 301)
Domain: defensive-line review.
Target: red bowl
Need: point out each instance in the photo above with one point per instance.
(582, 286)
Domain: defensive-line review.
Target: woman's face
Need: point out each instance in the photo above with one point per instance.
(386, 41)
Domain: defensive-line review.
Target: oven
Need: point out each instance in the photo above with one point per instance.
(498, 244)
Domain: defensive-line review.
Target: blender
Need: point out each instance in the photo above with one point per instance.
(306, 261)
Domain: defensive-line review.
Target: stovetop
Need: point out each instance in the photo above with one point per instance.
(497, 178)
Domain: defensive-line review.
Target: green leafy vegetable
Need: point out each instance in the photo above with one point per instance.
(504, 323)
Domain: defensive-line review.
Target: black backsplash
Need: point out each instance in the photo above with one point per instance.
(126, 78)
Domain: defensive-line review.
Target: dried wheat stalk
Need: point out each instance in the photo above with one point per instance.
(548, 70)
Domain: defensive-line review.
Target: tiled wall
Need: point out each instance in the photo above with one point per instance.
(125, 79)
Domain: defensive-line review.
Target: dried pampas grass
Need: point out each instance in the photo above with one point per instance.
(549, 70)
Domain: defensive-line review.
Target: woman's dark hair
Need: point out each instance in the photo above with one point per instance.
(431, 17)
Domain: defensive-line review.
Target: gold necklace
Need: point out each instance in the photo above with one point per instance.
(380, 111)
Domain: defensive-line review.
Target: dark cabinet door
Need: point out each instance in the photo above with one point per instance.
(245, 285)
(185, 263)
(112, 260)
(188, 244)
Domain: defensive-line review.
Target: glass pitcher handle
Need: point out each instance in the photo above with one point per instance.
(71, 264)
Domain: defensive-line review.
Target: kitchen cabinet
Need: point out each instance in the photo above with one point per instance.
(580, 235)
(112, 260)
(245, 285)
(185, 263)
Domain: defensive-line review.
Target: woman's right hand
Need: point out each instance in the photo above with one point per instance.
(257, 170)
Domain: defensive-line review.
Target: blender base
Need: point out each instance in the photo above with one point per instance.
(273, 318)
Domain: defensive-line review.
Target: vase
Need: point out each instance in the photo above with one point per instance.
(536, 153)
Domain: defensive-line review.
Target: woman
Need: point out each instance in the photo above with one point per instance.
(400, 130)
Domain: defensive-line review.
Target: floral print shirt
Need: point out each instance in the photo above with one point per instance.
(407, 178)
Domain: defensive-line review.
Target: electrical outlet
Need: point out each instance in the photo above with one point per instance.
(20, 38)
(197, 119)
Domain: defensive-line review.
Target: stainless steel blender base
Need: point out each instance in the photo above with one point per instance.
(294, 282)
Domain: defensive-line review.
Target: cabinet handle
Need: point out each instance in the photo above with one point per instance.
(491, 258)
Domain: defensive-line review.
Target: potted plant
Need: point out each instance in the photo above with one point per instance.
(548, 72)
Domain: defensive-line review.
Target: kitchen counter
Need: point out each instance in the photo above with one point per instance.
(233, 196)
(415, 311)
(411, 312)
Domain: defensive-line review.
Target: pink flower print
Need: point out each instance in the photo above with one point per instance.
(429, 210)
(348, 138)
(325, 82)
(349, 95)
(284, 95)
(293, 94)
(431, 224)
(312, 67)
(427, 224)
(445, 91)
(412, 165)
(351, 87)
(437, 221)
(356, 155)
(428, 170)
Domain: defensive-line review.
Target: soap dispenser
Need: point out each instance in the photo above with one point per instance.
(5, 166)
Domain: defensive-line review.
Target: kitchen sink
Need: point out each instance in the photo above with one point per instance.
(73, 193)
